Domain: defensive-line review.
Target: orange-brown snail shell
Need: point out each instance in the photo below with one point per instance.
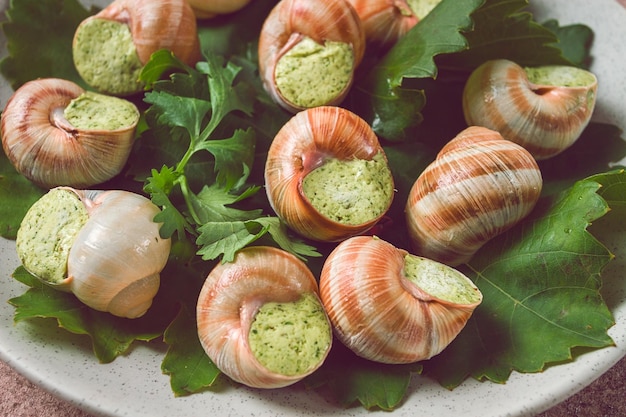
(545, 114)
(386, 311)
(478, 186)
(45, 148)
(306, 142)
(233, 295)
(205, 9)
(293, 21)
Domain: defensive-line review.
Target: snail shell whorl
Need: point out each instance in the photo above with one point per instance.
(115, 262)
(377, 312)
(302, 145)
(545, 119)
(292, 20)
(229, 300)
(385, 21)
(478, 186)
(46, 149)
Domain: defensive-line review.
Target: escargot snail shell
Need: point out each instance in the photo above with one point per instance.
(383, 315)
(544, 118)
(303, 144)
(289, 22)
(45, 148)
(115, 257)
(232, 296)
(478, 186)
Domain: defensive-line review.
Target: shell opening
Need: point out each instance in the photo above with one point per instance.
(92, 111)
(350, 192)
(106, 58)
(440, 281)
(291, 338)
(558, 76)
(311, 74)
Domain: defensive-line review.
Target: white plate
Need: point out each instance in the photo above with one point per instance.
(133, 385)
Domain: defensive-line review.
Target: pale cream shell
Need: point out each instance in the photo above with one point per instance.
(47, 150)
(229, 299)
(115, 262)
(545, 119)
(300, 146)
(377, 312)
(479, 186)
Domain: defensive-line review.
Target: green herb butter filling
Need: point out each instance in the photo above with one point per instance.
(106, 58)
(94, 111)
(350, 192)
(440, 281)
(312, 74)
(421, 8)
(560, 75)
(47, 234)
(291, 338)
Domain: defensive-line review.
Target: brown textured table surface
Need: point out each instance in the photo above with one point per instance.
(605, 397)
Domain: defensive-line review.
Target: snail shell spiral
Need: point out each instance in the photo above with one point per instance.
(478, 186)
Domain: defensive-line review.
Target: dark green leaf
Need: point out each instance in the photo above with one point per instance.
(189, 367)
(17, 194)
(41, 32)
(540, 283)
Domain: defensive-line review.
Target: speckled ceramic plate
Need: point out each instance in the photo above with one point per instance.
(134, 386)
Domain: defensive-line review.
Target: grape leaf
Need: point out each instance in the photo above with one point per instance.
(573, 41)
(350, 379)
(188, 366)
(41, 29)
(540, 283)
(110, 336)
(17, 195)
(392, 108)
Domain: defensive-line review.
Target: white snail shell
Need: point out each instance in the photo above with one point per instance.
(115, 257)
(544, 116)
(387, 314)
(153, 25)
(45, 148)
(290, 24)
(478, 186)
(232, 296)
(306, 142)
(205, 9)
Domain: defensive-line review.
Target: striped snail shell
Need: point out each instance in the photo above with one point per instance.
(326, 175)
(389, 306)
(478, 186)
(544, 109)
(260, 319)
(51, 148)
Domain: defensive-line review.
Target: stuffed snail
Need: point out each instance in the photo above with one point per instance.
(544, 109)
(56, 133)
(102, 246)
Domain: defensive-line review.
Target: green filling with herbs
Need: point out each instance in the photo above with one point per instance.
(313, 74)
(560, 75)
(291, 338)
(47, 234)
(106, 58)
(421, 8)
(350, 192)
(440, 281)
(94, 111)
